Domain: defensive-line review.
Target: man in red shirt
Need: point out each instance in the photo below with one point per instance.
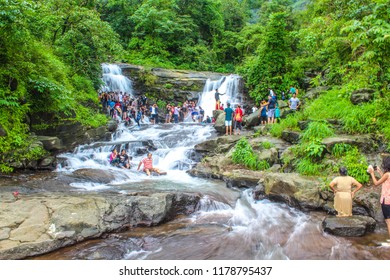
(148, 165)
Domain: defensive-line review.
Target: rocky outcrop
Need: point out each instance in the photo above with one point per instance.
(295, 190)
(34, 225)
(362, 96)
(219, 124)
(169, 84)
(363, 142)
(313, 93)
(51, 143)
(292, 137)
(3, 133)
(349, 226)
(217, 145)
(251, 120)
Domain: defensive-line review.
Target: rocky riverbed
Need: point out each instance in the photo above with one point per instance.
(42, 219)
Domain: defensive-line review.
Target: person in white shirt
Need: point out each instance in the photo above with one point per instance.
(294, 103)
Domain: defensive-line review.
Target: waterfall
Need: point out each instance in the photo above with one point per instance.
(227, 86)
(114, 81)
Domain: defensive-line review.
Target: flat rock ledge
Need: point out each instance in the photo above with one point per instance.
(34, 225)
(349, 226)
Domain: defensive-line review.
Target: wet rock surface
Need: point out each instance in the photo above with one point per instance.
(349, 226)
(35, 224)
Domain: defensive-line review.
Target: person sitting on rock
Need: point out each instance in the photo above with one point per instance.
(148, 165)
(114, 160)
(124, 160)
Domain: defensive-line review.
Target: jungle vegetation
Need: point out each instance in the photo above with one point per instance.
(51, 51)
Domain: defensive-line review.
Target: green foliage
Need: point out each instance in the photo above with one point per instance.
(268, 67)
(316, 131)
(306, 166)
(161, 104)
(267, 145)
(244, 154)
(340, 149)
(356, 165)
(290, 123)
(314, 149)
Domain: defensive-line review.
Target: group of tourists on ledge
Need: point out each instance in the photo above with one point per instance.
(133, 110)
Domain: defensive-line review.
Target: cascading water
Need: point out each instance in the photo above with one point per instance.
(114, 81)
(229, 223)
(227, 86)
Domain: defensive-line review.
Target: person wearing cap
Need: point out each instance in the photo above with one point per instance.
(343, 194)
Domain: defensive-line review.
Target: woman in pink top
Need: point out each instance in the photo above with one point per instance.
(385, 195)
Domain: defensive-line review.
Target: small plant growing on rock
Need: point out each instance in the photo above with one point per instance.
(243, 154)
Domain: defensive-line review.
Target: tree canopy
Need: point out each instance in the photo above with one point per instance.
(51, 50)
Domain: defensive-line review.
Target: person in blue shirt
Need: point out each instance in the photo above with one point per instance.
(228, 119)
(263, 112)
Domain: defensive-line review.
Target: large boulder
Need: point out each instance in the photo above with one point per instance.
(313, 93)
(51, 143)
(251, 120)
(37, 225)
(349, 226)
(241, 178)
(363, 142)
(362, 96)
(293, 189)
(219, 124)
(292, 137)
(96, 175)
(217, 145)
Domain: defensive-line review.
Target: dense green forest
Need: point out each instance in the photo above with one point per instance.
(51, 51)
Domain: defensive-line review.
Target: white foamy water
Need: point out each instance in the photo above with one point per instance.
(114, 81)
(227, 86)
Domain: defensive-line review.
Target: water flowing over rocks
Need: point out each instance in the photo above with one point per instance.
(301, 192)
(34, 225)
(168, 83)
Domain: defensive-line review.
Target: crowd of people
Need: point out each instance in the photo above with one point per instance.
(123, 107)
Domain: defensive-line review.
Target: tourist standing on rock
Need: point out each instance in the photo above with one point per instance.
(238, 120)
(294, 103)
(217, 99)
(385, 194)
(263, 112)
(229, 113)
(271, 106)
(342, 188)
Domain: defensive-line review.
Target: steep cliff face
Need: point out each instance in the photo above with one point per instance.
(168, 84)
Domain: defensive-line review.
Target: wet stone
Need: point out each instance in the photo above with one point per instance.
(349, 226)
